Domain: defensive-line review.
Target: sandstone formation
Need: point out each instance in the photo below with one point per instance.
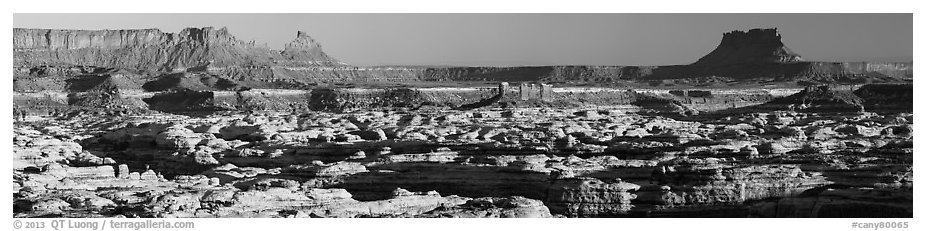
(485, 162)
(151, 49)
(754, 46)
(142, 123)
(756, 54)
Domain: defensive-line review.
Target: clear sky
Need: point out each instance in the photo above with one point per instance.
(529, 39)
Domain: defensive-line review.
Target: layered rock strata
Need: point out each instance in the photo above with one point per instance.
(756, 54)
(485, 162)
(152, 49)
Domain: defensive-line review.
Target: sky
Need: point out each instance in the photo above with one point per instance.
(528, 39)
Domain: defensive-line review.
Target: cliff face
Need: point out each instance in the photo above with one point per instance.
(151, 49)
(539, 73)
(754, 46)
(756, 55)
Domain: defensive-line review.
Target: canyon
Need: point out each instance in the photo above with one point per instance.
(143, 123)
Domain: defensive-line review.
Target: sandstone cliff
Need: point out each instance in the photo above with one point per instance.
(747, 57)
(754, 46)
(152, 49)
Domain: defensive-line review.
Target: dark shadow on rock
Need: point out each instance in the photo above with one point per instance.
(446, 179)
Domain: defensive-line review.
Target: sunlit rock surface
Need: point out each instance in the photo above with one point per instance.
(143, 123)
(445, 163)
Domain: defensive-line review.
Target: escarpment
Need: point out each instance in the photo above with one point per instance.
(141, 123)
(225, 73)
(154, 50)
(756, 55)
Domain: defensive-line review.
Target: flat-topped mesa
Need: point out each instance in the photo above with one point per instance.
(753, 47)
(152, 49)
(756, 54)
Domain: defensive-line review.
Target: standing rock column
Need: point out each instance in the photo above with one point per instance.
(123, 171)
(502, 88)
(546, 92)
(533, 92)
(525, 91)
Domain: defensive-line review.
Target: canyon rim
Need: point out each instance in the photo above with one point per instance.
(146, 123)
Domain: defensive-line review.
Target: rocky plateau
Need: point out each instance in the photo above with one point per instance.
(143, 123)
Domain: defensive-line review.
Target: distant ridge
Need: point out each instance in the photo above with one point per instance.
(756, 56)
(151, 49)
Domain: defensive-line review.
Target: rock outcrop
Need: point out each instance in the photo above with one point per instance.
(754, 46)
(756, 54)
(589, 197)
(152, 49)
(238, 130)
(882, 97)
(484, 162)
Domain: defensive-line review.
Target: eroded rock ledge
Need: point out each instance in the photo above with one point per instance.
(478, 163)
